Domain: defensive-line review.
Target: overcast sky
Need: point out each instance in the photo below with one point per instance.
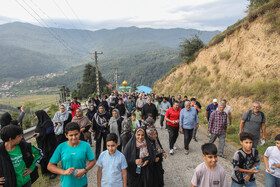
(109, 14)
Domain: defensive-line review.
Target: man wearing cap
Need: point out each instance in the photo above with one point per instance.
(211, 108)
(181, 103)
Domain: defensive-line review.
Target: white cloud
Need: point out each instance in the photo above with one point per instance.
(97, 14)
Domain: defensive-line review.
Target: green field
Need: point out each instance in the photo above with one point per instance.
(40, 101)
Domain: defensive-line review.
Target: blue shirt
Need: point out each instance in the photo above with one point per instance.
(188, 118)
(164, 106)
(73, 157)
(112, 167)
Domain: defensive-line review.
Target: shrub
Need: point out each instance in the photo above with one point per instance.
(203, 69)
(190, 48)
(214, 59)
(247, 73)
(225, 55)
(192, 69)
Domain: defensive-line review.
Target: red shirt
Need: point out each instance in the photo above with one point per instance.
(173, 115)
(74, 107)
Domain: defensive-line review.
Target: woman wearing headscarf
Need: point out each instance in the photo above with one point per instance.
(84, 124)
(157, 169)
(115, 126)
(60, 119)
(126, 132)
(100, 126)
(91, 111)
(140, 157)
(45, 137)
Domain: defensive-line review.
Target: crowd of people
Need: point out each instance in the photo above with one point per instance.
(132, 153)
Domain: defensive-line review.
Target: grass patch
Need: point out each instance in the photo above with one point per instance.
(247, 73)
(216, 69)
(273, 18)
(214, 60)
(192, 69)
(203, 69)
(225, 55)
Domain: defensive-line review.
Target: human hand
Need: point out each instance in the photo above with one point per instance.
(36, 135)
(2, 180)
(80, 173)
(239, 134)
(105, 124)
(253, 170)
(248, 176)
(22, 108)
(197, 125)
(26, 172)
(205, 118)
(69, 171)
(157, 117)
(164, 155)
(157, 159)
(263, 137)
(277, 165)
(181, 129)
(59, 124)
(82, 129)
(145, 163)
(138, 161)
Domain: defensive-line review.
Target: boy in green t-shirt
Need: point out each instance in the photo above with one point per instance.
(138, 114)
(17, 165)
(73, 155)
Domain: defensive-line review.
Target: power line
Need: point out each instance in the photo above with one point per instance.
(56, 24)
(60, 41)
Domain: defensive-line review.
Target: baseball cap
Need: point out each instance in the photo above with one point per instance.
(215, 100)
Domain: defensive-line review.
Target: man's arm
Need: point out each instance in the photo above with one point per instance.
(124, 176)
(54, 169)
(99, 175)
(229, 117)
(192, 185)
(241, 127)
(263, 131)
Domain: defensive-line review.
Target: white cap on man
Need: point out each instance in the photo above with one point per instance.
(215, 100)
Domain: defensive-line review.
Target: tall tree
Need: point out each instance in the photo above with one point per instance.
(189, 47)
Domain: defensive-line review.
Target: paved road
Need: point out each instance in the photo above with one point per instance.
(179, 168)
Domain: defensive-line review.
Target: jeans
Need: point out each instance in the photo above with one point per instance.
(173, 135)
(272, 181)
(222, 138)
(187, 137)
(162, 120)
(247, 183)
(194, 133)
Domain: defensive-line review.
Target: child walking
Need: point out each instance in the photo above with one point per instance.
(209, 173)
(111, 165)
(245, 162)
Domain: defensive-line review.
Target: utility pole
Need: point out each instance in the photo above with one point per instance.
(116, 77)
(96, 71)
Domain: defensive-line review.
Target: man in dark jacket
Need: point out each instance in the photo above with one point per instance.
(149, 108)
(120, 106)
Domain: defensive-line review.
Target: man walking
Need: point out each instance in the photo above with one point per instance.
(198, 109)
(181, 103)
(130, 107)
(210, 108)
(188, 121)
(217, 126)
(149, 108)
(253, 121)
(172, 117)
(140, 102)
(164, 106)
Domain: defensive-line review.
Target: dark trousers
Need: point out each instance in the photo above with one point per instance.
(187, 137)
(99, 137)
(194, 133)
(173, 135)
(28, 184)
(162, 120)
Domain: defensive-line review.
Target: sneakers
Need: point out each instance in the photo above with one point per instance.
(171, 151)
(174, 147)
(186, 152)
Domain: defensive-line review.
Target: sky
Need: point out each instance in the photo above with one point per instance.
(110, 14)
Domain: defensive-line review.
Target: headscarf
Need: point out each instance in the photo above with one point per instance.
(150, 134)
(82, 121)
(90, 113)
(60, 117)
(5, 119)
(100, 118)
(130, 152)
(113, 123)
(43, 119)
(142, 146)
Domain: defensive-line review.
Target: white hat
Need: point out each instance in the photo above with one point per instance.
(215, 100)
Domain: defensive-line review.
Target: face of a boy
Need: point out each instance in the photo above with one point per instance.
(211, 160)
(73, 137)
(111, 147)
(18, 139)
(278, 144)
(247, 144)
(133, 118)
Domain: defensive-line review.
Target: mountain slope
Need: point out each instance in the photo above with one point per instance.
(243, 67)
(19, 63)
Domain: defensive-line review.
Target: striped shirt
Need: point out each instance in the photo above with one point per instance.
(217, 123)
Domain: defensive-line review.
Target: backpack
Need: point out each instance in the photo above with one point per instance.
(250, 114)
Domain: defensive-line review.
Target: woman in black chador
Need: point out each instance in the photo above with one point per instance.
(45, 137)
(140, 157)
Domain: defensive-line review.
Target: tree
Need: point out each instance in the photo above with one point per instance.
(88, 85)
(190, 47)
